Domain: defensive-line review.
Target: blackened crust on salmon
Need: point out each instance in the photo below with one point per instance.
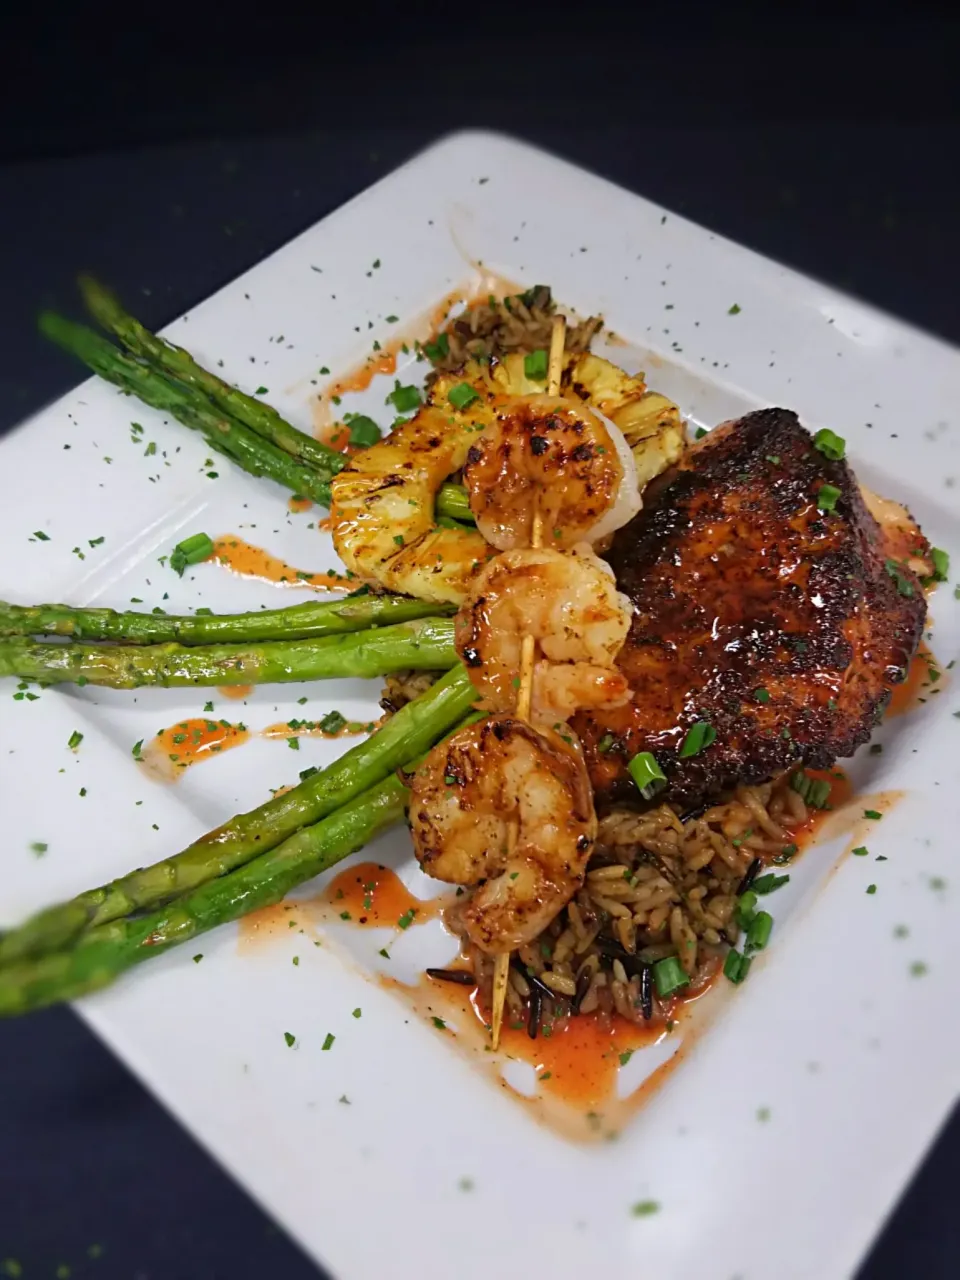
(778, 623)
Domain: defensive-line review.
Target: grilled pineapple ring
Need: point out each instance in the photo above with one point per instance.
(382, 510)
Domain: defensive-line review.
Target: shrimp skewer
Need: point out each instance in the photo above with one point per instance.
(501, 971)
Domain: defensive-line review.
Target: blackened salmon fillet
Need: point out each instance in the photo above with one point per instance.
(769, 608)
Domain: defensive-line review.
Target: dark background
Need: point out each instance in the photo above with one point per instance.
(170, 153)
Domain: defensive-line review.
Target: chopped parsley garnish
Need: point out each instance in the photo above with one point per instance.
(290, 1038)
(462, 394)
(625, 1057)
(293, 744)
(198, 957)
(647, 774)
(75, 739)
(261, 391)
(332, 722)
(535, 365)
(761, 695)
(699, 737)
(700, 433)
(734, 310)
(406, 920)
(830, 444)
(439, 1023)
(404, 399)
(871, 888)
(191, 551)
(357, 1013)
(39, 848)
(860, 851)
(827, 498)
(41, 536)
(872, 813)
(328, 1041)
(644, 1208)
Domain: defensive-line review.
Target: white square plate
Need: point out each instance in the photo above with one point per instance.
(837, 1041)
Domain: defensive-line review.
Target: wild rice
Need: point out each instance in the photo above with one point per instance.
(495, 327)
(656, 886)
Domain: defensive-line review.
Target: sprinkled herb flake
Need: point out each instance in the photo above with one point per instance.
(39, 848)
(625, 1057)
(872, 814)
(645, 1208)
(734, 310)
(290, 1038)
(328, 1041)
(73, 742)
(358, 1013)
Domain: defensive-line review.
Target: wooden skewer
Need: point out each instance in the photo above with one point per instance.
(501, 970)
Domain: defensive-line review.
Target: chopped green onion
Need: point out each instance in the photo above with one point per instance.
(669, 976)
(328, 1041)
(860, 851)
(462, 394)
(746, 909)
(786, 853)
(941, 564)
(439, 349)
(403, 399)
(830, 444)
(363, 430)
(736, 966)
(904, 585)
(872, 813)
(700, 433)
(191, 550)
(75, 739)
(699, 736)
(290, 1038)
(606, 743)
(827, 498)
(535, 366)
(761, 695)
(769, 883)
(871, 888)
(815, 791)
(332, 722)
(758, 935)
(647, 774)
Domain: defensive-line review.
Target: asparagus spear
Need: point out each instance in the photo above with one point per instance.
(105, 951)
(254, 454)
(404, 737)
(297, 622)
(425, 644)
(179, 364)
(245, 447)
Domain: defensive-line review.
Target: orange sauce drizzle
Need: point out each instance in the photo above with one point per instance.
(189, 742)
(249, 561)
(236, 691)
(918, 686)
(312, 729)
(373, 896)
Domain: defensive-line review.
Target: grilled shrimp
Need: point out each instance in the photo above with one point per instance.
(382, 509)
(560, 454)
(571, 606)
(464, 798)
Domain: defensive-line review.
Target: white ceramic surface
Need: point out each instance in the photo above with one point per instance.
(852, 1059)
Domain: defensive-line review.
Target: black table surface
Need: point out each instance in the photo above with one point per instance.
(95, 1178)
